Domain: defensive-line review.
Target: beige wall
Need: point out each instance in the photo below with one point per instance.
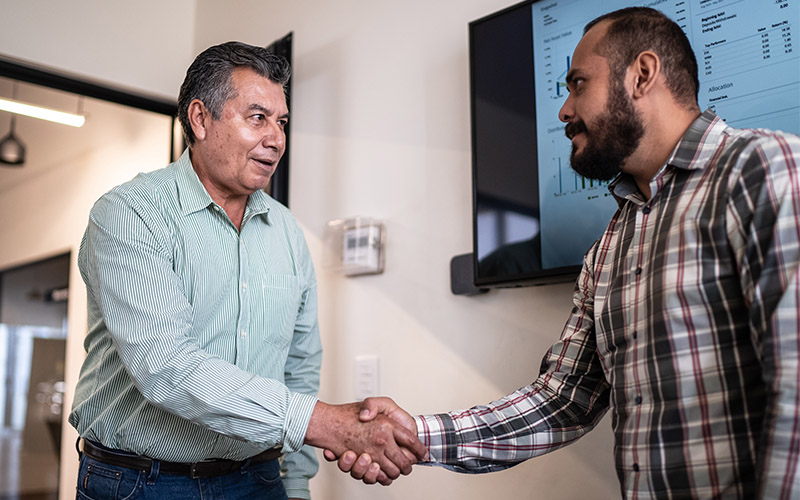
(125, 43)
(380, 125)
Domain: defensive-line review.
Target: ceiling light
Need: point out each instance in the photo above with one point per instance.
(52, 115)
(12, 151)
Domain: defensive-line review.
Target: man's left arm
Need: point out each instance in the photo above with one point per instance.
(767, 197)
(302, 372)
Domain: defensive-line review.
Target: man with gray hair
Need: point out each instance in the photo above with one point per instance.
(203, 350)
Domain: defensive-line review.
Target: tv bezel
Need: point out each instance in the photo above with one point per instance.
(533, 278)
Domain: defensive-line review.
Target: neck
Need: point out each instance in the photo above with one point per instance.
(233, 204)
(661, 137)
(233, 208)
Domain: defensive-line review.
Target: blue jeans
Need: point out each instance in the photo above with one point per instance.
(101, 481)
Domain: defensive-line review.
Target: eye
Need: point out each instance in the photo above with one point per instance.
(282, 122)
(258, 117)
(575, 85)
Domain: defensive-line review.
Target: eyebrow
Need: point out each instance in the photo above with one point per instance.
(571, 76)
(266, 111)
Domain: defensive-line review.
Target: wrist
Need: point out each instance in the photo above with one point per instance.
(326, 424)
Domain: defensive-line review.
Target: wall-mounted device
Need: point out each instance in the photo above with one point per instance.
(355, 246)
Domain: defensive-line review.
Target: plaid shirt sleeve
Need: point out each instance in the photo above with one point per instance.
(764, 226)
(565, 402)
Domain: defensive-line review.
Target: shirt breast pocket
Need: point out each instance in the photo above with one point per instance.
(277, 302)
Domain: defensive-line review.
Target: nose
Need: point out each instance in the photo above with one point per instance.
(566, 113)
(274, 136)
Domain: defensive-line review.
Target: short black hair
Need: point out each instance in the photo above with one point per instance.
(636, 29)
(209, 77)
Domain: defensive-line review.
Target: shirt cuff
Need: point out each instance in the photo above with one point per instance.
(436, 432)
(298, 414)
(297, 487)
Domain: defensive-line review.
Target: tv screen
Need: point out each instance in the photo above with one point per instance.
(533, 217)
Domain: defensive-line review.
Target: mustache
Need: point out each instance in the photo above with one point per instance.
(574, 128)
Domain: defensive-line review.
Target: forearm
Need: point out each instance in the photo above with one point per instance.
(505, 432)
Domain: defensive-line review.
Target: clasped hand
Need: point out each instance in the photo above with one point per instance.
(371, 468)
(377, 431)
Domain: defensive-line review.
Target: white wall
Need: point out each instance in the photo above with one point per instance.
(144, 45)
(380, 125)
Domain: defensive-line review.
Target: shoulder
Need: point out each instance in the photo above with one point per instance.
(146, 189)
(139, 202)
(752, 156)
(770, 145)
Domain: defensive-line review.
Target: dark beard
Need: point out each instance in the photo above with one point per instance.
(619, 131)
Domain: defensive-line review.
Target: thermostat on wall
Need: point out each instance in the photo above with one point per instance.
(355, 246)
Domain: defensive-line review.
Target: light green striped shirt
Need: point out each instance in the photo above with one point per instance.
(203, 340)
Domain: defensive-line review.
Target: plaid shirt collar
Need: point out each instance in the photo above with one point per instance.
(692, 152)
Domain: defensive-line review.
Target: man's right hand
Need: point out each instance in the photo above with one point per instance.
(363, 467)
(388, 439)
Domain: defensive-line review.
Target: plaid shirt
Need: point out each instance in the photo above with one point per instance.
(685, 324)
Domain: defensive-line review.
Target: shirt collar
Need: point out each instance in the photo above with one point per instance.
(193, 196)
(696, 147)
(699, 143)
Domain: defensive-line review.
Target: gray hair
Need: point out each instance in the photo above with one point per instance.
(209, 78)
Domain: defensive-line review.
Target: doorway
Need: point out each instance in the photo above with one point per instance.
(33, 332)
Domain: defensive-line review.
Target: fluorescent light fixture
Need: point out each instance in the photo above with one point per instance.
(51, 115)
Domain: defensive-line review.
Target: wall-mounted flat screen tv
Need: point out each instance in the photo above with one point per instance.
(534, 218)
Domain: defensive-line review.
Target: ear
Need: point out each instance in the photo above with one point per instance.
(646, 69)
(199, 116)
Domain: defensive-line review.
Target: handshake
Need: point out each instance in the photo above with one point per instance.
(375, 440)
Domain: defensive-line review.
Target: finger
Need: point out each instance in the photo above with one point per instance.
(347, 460)
(329, 455)
(397, 457)
(405, 438)
(361, 466)
(384, 479)
(388, 465)
(410, 456)
(372, 474)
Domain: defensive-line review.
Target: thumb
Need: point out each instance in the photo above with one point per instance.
(368, 412)
(371, 407)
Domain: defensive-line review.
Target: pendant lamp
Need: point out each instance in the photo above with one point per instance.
(12, 151)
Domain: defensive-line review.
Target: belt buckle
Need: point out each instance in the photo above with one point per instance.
(193, 471)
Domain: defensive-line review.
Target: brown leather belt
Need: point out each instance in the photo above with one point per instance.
(206, 468)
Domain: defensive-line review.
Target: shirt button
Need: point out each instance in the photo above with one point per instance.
(244, 333)
(635, 334)
(638, 400)
(638, 271)
(244, 286)
(636, 467)
(216, 208)
(646, 210)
